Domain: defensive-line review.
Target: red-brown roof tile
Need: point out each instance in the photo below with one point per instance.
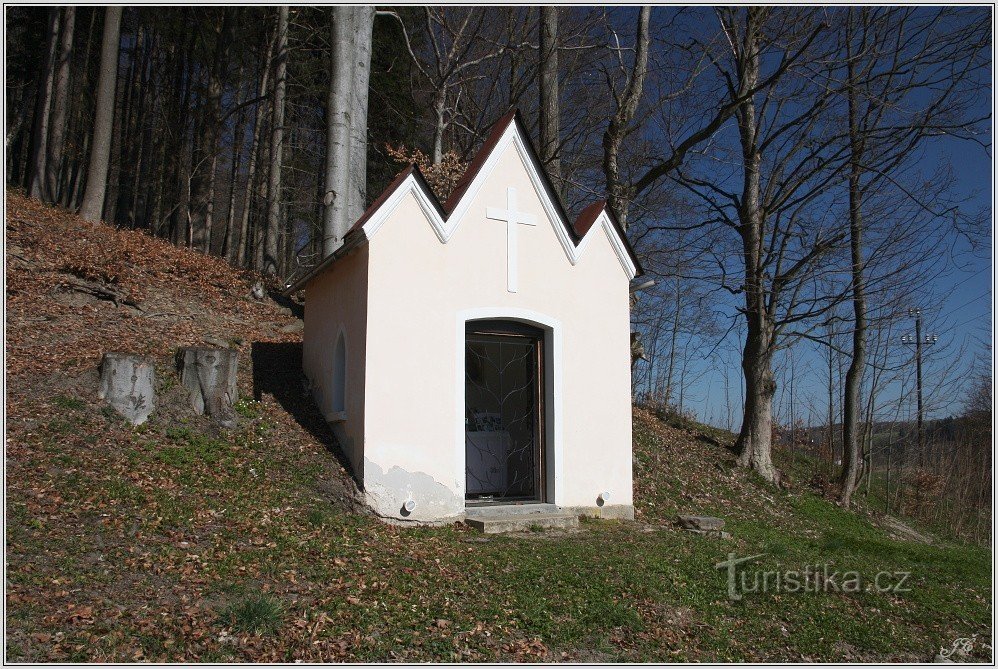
(588, 216)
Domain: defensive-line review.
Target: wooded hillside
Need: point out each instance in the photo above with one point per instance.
(784, 173)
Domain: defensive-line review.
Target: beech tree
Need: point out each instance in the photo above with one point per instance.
(776, 81)
(550, 107)
(345, 193)
(909, 77)
(270, 250)
(43, 106)
(93, 196)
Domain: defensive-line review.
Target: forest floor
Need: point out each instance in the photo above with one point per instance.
(176, 541)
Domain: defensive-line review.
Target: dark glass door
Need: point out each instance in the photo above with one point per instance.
(503, 412)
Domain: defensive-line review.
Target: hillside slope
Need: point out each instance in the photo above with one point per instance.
(176, 541)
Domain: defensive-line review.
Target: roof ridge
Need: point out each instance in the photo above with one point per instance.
(577, 230)
(482, 155)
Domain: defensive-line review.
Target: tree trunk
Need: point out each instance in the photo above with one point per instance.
(363, 25)
(228, 237)
(156, 218)
(128, 384)
(209, 375)
(440, 123)
(93, 196)
(339, 128)
(672, 347)
(129, 142)
(78, 132)
(60, 105)
(13, 138)
(244, 229)
(755, 439)
(260, 222)
(619, 193)
(179, 183)
(119, 127)
(854, 375)
(205, 154)
(143, 166)
(271, 250)
(550, 108)
(74, 185)
(43, 107)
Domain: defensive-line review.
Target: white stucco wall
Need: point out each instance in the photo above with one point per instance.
(336, 302)
(419, 289)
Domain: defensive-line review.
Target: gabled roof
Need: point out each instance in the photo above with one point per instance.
(444, 218)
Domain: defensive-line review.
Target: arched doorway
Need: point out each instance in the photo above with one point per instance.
(504, 412)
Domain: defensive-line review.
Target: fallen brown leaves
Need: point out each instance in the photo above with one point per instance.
(673, 476)
(70, 283)
(113, 551)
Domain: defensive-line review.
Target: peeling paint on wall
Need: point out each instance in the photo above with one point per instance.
(388, 491)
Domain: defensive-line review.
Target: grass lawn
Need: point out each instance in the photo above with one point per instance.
(164, 543)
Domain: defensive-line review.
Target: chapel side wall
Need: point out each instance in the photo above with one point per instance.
(418, 286)
(411, 410)
(335, 302)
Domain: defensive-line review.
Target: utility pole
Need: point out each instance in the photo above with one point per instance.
(919, 342)
(793, 416)
(831, 404)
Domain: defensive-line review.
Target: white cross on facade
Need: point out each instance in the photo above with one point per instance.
(512, 217)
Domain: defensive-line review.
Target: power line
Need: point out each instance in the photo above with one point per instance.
(968, 302)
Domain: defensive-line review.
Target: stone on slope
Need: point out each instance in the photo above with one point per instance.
(702, 523)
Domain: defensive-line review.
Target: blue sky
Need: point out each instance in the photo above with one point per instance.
(960, 311)
(957, 305)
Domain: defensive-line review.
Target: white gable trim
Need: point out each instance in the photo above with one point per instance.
(445, 228)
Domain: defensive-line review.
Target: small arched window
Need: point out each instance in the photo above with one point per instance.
(340, 374)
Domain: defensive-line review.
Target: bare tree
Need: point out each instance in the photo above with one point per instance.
(620, 126)
(788, 160)
(456, 49)
(270, 246)
(909, 76)
(43, 109)
(550, 111)
(60, 103)
(242, 248)
(346, 119)
(238, 134)
(93, 196)
(204, 155)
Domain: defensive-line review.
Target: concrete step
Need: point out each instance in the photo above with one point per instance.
(523, 522)
(509, 509)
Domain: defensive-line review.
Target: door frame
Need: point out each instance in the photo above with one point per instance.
(552, 400)
(495, 330)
